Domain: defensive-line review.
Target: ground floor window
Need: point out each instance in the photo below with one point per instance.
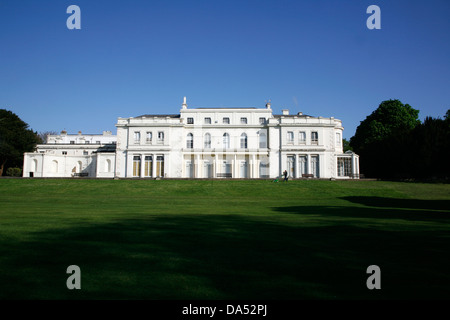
(291, 166)
(148, 166)
(189, 169)
(207, 169)
(302, 165)
(160, 166)
(344, 167)
(315, 168)
(264, 170)
(136, 166)
(243, 169)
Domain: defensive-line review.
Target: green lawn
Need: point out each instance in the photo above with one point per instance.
(180, 239)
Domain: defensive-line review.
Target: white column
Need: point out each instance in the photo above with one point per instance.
(233, 167)
(154, 165)
(214, 173)
(353, 166)
(253, 167)
(197, 173)
(142, 165)
(308, 164)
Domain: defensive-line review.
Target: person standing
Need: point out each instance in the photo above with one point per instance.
(285, 175)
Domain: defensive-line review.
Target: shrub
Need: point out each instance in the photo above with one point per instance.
(14, 172)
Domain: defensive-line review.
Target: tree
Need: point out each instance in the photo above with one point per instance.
(430, 143)
(346, 145)
(380, 139)
(43, 135)
(15, 139)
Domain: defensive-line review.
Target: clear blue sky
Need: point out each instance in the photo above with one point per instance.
(140, 57)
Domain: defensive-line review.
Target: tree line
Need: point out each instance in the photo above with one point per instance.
(394, 144)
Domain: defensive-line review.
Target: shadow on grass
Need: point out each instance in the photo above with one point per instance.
(229, 257)
(400, 203)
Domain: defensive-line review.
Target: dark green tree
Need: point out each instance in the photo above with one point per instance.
(346, 145)
(430, 146)
(15, 139)
(381, 138)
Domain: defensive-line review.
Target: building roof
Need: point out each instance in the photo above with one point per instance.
(292, 116)
(158, 116)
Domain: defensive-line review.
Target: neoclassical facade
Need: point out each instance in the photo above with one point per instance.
(244, 143)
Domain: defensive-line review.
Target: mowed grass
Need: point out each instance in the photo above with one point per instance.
(234, 239)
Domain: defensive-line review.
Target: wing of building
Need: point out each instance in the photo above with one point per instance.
(201, 143)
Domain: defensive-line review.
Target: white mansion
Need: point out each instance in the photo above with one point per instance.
(201, 143)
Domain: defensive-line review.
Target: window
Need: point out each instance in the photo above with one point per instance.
(207, 120)
(262, 140)
(136, 166)
(149, 137)
(137, 137)
(207, 141)
(226, 120)
(344, 167)
(85, 153)
(190, 141)
(159, 166)
(190, 120)
(314, 137)
(243, 120)
(226, 141)
(315, 166)
(302, 137)
(72, 141)
(97, 142)
(87, 142)
(148, 166)
(262, 120)
(243, 141)
(160, 137)
(290, 137)
(64, 153)
(302, 165)
(338, 139)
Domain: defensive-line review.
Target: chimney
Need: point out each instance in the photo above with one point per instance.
(268, 105)
(184, 105)
(285, 112)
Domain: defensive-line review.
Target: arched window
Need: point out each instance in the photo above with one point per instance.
(262, 140)
(34, 166)
(243, 141)
(226, 141)
(190, 141)
(207, 141)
